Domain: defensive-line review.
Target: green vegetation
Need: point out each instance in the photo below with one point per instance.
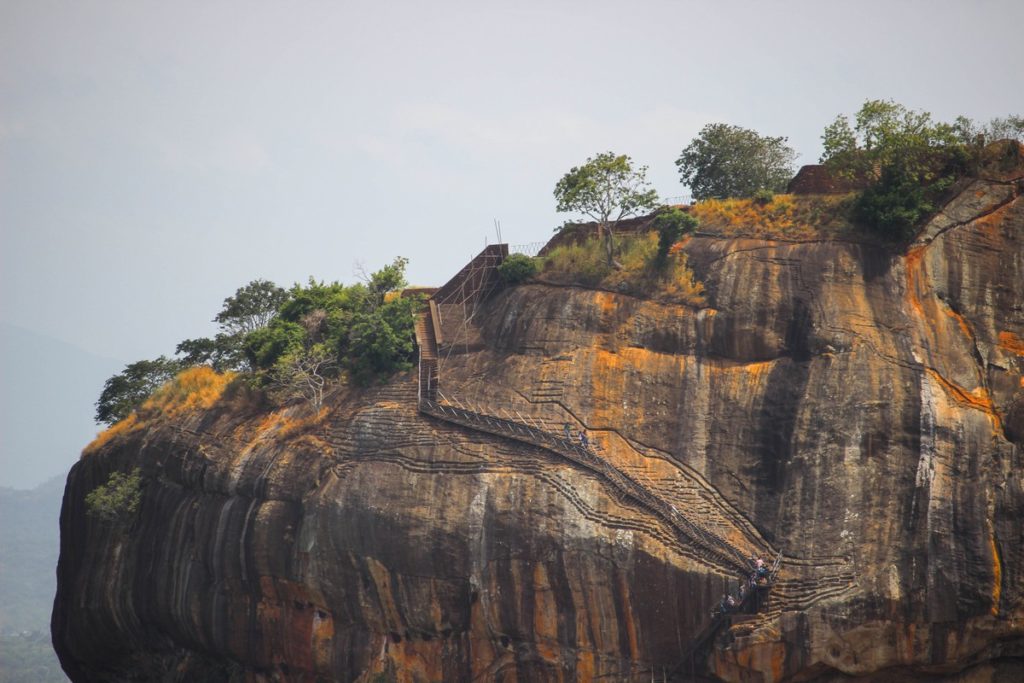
(671, 224)
(730, 161)
(640, 272)
(118, 499)
(518, 268)
(911, 159)
(251, 308)
(606, 189)
(125, 391)
(360, 332)
(288, 343)
(293, 343)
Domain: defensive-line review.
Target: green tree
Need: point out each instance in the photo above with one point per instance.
(323, 330)
(606, 189)
(223, 352)
(263, 347)
(911, 158)
(730, 161)
(888, 135)
(251, 307)
(118, 498)
(390, 278)
(125, 391)
(380, 342)
(671, 224)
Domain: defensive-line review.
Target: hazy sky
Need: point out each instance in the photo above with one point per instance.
(154, 156)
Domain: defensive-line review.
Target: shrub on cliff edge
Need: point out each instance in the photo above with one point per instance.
(517, 268)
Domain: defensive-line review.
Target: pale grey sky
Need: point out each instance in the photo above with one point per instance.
(155, 156)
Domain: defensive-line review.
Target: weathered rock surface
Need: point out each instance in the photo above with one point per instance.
(859, 411)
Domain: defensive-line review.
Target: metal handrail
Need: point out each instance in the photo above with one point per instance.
(718, 548)
(528, 430)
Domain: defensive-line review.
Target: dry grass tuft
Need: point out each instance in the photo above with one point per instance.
(785, 216)
(129, 424)
(284, 424)
(193, 389)
(639, 275)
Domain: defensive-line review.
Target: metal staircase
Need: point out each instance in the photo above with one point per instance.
(471, 286)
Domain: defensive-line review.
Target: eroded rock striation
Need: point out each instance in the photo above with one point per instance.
(860, 412)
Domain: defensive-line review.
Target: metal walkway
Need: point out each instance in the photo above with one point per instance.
(469, 283)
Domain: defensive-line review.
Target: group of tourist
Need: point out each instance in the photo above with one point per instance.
(758, 575)
(759, 569)
(584, 441)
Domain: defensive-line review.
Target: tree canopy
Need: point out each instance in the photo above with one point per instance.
(911, 158)
(289, 342)
(366, 333)
(888, 135)
(606, 188)
(125, 391)
(251, 307)
(730, 161)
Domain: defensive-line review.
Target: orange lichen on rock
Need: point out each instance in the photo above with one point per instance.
(288, 424)
(965, 326)
(913, 269)
(627, 616)
(1011, 342)
(997, 574)
(606, 301)
(979, 398)
(545, 614)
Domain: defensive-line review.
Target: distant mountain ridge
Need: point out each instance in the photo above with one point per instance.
(29, 544)
(47, 392)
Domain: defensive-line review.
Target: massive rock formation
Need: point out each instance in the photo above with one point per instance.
(857, 410)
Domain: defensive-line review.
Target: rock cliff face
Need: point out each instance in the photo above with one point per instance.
(858, 411)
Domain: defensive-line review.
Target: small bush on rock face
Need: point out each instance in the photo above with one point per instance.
(118, 498)
(671, 224)
(518, 268)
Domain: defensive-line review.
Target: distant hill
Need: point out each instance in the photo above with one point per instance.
(29, 544)
(47, 392)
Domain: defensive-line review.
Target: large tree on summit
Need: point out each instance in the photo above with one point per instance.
(730, 161)
(606, 189)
